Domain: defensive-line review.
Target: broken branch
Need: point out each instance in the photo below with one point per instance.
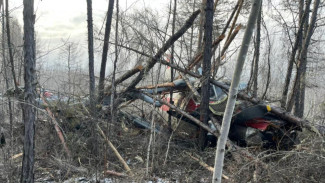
(126, 166)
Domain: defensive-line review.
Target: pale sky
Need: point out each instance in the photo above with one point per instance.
(58, 20)
(61, 18)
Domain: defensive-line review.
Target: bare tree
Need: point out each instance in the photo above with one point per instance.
(220, 152)
(205, 91)
(172, 62)
(27, 175)
(91, 56)
(113, 93)
(300, 79)
(257, 52)
(293, 56)
(105, 50)
(4, 63)
(11, 57)
(94, 141)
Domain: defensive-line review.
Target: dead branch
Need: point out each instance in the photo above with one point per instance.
(126, 166)
(168, 84)
(240, 5)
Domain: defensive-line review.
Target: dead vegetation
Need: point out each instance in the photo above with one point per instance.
(185, 162)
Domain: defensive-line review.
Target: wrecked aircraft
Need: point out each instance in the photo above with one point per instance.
(252, 125)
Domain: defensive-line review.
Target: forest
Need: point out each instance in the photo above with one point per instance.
(162, 91)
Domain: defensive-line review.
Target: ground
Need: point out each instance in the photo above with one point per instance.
(88, 160)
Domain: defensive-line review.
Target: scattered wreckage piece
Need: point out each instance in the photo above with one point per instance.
(138, 121)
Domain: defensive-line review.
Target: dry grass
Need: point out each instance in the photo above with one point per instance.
(304, 163)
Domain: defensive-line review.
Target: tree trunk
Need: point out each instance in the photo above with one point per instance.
(4, 64)
(172, 62)
(192, 31)
(94, 139)
(113, 92)
(298, 93)
(29, 93)
(10, 46)
(205, 88)
(257, 52)
(201, 28)
(91, 56)
(220, 152)
(268, 80)
(292, 59)
(105, 50)
(302, 67)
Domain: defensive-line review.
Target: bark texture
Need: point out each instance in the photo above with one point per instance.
(91, 56)
(205, 88)
(257, 52)
(29, 93)
(105, 50)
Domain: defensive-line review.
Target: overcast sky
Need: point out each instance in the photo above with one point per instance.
(61, 18)
(58, 20)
